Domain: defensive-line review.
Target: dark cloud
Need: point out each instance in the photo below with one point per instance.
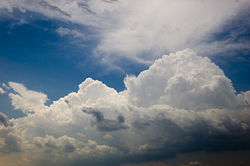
(69, 148)
(85, 7)
(4, 120)
(110, 125)
(141, 124)
(172, 139)
(97, 114)
(51, 145)
(120, 118)
(10, 141)
(106, 124)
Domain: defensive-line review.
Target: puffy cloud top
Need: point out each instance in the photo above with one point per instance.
(27, 100)
(182, 80)
(183, 102)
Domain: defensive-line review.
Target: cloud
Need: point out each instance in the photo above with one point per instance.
(148, 164)
(182, 103)
(26, 100)
(66, 31)
(106, 124)
(10, 141)
(192, 163)
(182, 83)
(143, 31)
(4, 119)
(230, 39)
(162, 26)
(2, 91)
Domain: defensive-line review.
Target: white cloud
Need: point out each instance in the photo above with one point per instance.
(5, 86)
(179, 97)
(2, 91)
(27, 100)
(160, 26)
(183, 80)
(141, 30)
(63, 31)
(66, 31)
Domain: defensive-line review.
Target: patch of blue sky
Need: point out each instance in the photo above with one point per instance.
(235, 61)
(34, 54)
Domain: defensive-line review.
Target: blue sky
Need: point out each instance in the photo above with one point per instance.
(34, 54)
(133, 106)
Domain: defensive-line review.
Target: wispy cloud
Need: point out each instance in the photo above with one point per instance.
(141, 31)
(2, 91)
(66, 31)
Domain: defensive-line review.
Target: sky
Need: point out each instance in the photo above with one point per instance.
(124, 82)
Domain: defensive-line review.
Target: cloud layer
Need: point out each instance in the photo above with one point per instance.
(182, 103)
(144, 30)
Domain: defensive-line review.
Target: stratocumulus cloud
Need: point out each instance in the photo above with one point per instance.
(182, 103)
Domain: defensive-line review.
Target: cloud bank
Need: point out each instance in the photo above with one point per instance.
(142, 31)
(182, 103)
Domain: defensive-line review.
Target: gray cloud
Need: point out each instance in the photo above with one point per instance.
(10, 141)
(4, 120)
(106, 124)
(110, 125)
(47, 5)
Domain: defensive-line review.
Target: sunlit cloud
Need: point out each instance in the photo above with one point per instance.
(142, 31)
(183, 102)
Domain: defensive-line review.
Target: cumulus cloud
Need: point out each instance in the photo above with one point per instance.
(143, 30)
(182, 83)
(182, 103)
(27, 100)
(10, 141)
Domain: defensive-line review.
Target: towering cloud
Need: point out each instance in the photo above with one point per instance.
(185, 81)
(182, 103)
